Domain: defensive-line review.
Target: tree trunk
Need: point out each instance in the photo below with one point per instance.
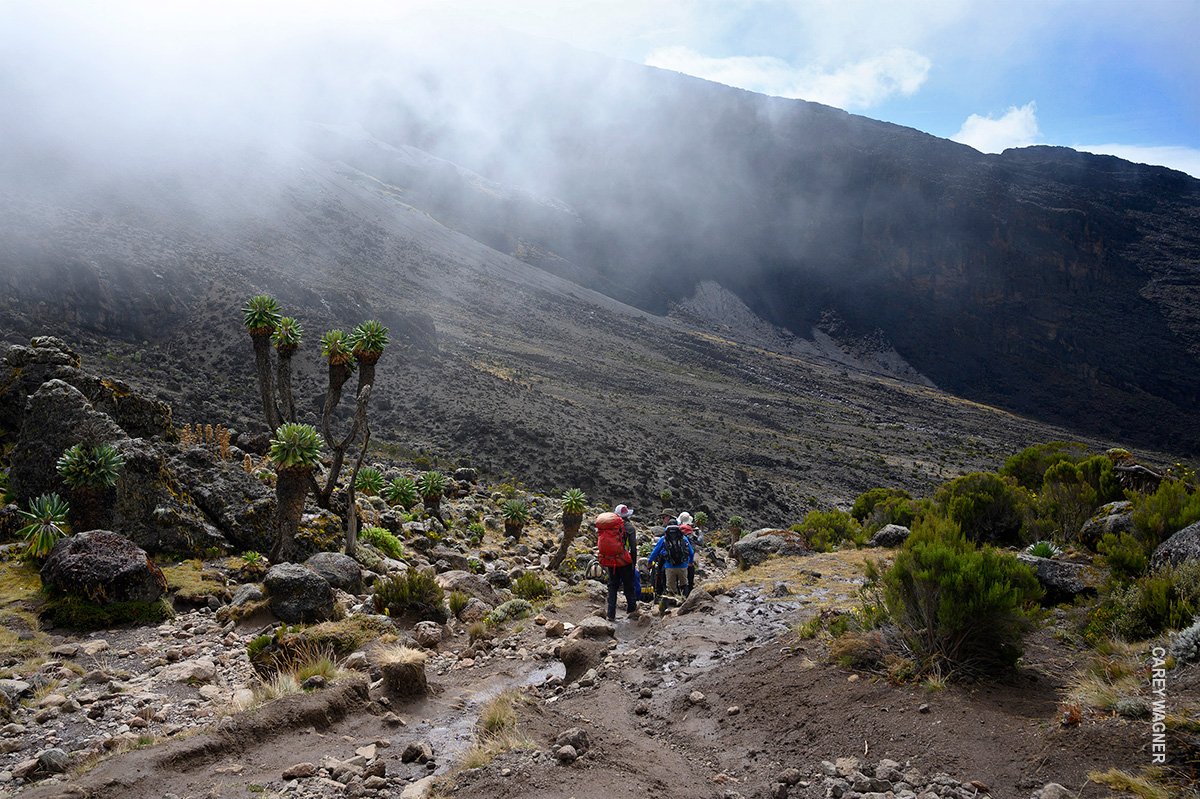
(291, 488)
(513, 531)
(338, 375)
(266, 380)
(571, 522)
(287, 403)
(360, 420)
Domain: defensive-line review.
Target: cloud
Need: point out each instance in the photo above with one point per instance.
(1185, 159)
(859, 85)
(1017, 128)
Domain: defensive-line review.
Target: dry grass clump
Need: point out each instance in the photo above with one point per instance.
(1145, 787)
(1115, 672)
(403, 669)
(498, 730)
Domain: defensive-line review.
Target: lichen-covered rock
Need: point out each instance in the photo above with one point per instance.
(239, 505)
(1115, 517)
(890, 535)
(153, 510)
(473, 585)
(756, 547)
(1181, 547)
(320, 531)
(298, 595)
(102, 566)
(55, 414)
(340, 571)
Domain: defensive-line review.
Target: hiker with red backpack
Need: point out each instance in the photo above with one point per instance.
(675, 553)
(616, 541)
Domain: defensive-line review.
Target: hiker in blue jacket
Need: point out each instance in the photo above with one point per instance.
(675, 553)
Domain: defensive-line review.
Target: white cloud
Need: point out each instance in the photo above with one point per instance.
(1017, 128)
(859, 85)
(1185, 159)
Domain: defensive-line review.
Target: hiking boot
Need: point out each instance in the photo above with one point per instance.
(611, 618)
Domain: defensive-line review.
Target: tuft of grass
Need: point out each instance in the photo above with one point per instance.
(1146, 787)
(403, 655)
(1112, 674)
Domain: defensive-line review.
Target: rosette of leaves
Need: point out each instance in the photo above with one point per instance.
(574, 503)
(45, 520)
(700, 519)
(384, 541)
(735, 526)
(295, 451)
(664, 496)
(261, 316)
(515, 514)
(1043, 549)
(432, 486)
(369, 481)
(336, 348)
(90, 472)
(367, 342)
(403, 492)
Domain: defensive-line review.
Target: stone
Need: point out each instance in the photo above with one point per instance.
(698, 600)
(574, 737)
(733, 710)
(890, 535)
(1052, 790)
(54, 761)
(298, 595)
(189, 671)
(1062, 580)
(1115, 517)
(473, 585)
(555, 628)
(696, 698)
(299, 771)
(790, 776)
(104, 567)
(846, 766)
(339, 570)
(754, 548)
(247, 593)
(594, 627)
(1181, 547)
(417, 751)
(428, 634)
(418, 789)
(567, 754)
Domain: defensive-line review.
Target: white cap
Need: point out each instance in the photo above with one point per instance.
(623, 511)
(685, 518)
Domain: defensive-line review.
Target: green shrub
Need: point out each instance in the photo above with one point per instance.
(1169, 509)
(475, 566)
(512, 609)
(1125, 556)
(1067, 499)
(531, 586)
(1028, 467)
(457, 601)
(1166, 599)
(986, 507)
(825, 530)
(384, 541)
(700, 519)
(880, 507)
(414, 592)
(959, 608)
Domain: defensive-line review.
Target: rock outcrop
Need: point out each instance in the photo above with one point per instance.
(1181, 547)
(754, 548)
(298, 595)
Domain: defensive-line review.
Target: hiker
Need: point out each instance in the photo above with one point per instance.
(616, 540)
(675, 554)
(694, 539)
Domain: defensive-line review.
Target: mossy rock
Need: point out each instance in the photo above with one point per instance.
(76, 613)
(319, 532)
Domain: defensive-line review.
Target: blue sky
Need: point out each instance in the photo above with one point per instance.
(1107, 76)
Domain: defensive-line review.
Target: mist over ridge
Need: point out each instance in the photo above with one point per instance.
(347, 169)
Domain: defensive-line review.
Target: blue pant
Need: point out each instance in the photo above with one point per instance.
(621, 576)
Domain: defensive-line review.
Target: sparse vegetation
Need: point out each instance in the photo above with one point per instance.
(45, 520)
(403, 492)
(516, 515)
(413, 592)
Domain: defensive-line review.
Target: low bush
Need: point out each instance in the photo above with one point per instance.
(530, 586)
(1028, 467)
(959, 608)
(880, 507)
(414, 592)
(988, 508)
(1166, 599)
(1125, 556)
(384, 541)
(457, 602)
(512, 609)
(825, 530)
(1172, 507)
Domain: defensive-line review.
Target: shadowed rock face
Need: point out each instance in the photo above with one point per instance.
(1044, 281)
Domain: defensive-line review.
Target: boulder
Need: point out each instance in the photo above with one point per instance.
(473, 585)
(428, 634)
(298, 595)
(1181, 547)
(340, 571)
(756, 547)
(154, 510)
(239, 505)
(103, 567)
(890, 535)
(55, 415)
(698, 600)
(455, 560)
(1062, 580)
(1115, 517)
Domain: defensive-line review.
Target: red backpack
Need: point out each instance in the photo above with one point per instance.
(610, 538)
